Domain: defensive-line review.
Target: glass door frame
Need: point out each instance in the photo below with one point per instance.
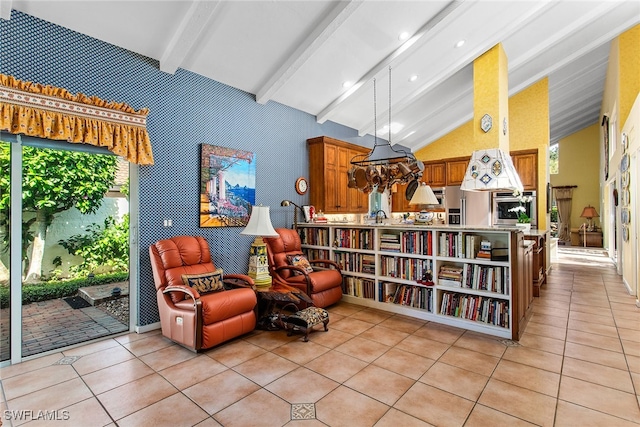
(15, 262)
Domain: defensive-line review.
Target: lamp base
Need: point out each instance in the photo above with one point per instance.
(258, 264)
(264, 282)
(424, 217)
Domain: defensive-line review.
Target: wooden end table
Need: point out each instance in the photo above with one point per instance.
(269, 296)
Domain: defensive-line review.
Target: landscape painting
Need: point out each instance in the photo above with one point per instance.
(227, 186)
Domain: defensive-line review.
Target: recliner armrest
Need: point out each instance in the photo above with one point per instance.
(238, 281)
(292, 267)
(181, 288)
(325, 262)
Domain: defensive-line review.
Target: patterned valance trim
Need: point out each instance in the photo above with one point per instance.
(55, 113)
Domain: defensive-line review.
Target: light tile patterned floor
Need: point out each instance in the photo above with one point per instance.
(577, 364)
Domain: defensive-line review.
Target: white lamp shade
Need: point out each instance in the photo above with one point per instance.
(491, 169)
(423, 196)
(260, 223)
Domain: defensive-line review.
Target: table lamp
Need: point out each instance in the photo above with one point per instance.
(260, 226)
(589, 212)
(423, 196)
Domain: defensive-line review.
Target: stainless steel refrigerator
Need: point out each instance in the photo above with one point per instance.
(467, 208)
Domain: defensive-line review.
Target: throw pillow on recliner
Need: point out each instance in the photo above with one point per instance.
(299, 260)
(205, 282)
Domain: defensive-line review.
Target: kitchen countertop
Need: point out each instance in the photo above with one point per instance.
(419, 226)
(536, 233)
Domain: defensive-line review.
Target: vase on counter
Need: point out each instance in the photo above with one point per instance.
(526, 226)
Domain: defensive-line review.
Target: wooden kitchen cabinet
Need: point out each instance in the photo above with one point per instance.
(456, 168)
(435, 174)
(329, 163)
(399, 202)
(526, 163)
(524, 294)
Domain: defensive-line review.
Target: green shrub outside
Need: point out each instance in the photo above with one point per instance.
(59, 289)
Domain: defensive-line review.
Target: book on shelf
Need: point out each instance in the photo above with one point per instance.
(484, 254)
(450, 275)
(449, 282)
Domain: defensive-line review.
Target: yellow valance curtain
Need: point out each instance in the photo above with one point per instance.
(54, 113)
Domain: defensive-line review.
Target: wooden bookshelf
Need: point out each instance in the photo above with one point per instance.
(432, 273)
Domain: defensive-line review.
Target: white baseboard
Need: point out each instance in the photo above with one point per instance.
(147, 328)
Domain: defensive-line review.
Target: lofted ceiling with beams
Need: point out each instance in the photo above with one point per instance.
(302, 53)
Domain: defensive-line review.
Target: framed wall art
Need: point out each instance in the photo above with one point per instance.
(227, 186)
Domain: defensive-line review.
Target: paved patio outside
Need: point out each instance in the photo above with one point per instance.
(52, 324)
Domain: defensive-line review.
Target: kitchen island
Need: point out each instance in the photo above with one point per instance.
(468, 277)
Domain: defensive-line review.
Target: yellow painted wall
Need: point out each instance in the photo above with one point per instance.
(629, 51)
(491, 96)
(578, 163)
(457, 143)
(528, 128)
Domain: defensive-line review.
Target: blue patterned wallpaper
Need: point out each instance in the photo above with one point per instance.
(186, 110)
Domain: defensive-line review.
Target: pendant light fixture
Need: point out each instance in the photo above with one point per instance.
(384, 165)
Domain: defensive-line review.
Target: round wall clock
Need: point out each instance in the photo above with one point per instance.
(302, 186)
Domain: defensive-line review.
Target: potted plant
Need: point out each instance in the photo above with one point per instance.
(524, 221)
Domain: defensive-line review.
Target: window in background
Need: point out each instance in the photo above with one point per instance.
(553, 159)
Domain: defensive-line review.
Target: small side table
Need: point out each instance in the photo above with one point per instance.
(269, 296)
(591, 238)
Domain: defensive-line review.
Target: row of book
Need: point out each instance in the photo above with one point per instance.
(409, 242)
(409, 295)
(477, 308)
(404, 268)
(354, 238)
(390, 242)
(463, 245)
(485, 278)
(316, 253)
(355, 262)
(358, 287)
(314, 236)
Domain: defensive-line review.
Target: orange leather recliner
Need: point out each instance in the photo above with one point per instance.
(324, 285)
(193, 320)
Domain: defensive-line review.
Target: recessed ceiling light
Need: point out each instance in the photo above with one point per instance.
(460, 43)
(395, 128)
(413, 78)
(347, 84)
(403, 36)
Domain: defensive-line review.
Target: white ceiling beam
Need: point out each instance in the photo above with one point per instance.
(492, 39)
(193, 24)
(405, 48)
(572, 57)
(312, 43)
(5, 9)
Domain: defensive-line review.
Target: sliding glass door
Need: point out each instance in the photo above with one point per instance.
(65, 259)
